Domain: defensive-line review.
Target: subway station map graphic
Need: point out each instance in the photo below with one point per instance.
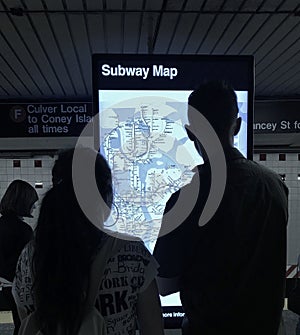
(144, 140)
(142, 136)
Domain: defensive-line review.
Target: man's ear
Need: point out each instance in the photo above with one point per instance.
(237, 125)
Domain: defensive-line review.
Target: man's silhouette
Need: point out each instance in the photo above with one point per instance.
(230, 272)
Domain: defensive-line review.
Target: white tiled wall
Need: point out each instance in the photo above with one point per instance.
(29, 173)
(290, 168)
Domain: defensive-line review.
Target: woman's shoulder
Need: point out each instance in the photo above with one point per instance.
(128, 243)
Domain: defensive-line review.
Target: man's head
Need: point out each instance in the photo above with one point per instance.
(217, 102)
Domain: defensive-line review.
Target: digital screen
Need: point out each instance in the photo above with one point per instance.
(143, 138)
(142, 106)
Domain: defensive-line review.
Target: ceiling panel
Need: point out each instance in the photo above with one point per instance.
(167, 27)
(113, 33)
(176, 4)
(287, 78)
(195, 5)
(254, 5)
(3, 92)
(8, 53)
(272, 5)
(46, 50)
(8, 87)
(27, 56)
(156, 4)
(131, 39)
(294, 88)
(214, 5)
(52, 5)
(54, 51)
(247, 32)
(233, 5)
(273, 75)
(150, 21)
(230, 34)
(66, 44)
(290, 5)
(96, 28)
(36, 35)
(214, 33)
(73, 4)
(277, 33)
(136, 5)
(182, 29)
(28, 4)
(113, 4)
(80, 40)
(12, 78)
(280, 56)
(197, 33)
(262, 34)
(93, 5)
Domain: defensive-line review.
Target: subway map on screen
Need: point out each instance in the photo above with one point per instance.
(143, 138)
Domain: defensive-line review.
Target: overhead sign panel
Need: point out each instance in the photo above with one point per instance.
(44, 119)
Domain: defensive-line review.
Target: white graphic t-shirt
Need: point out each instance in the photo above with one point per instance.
(127, 273)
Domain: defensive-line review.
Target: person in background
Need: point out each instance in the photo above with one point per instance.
(62, 168)
(17, 202)
(53, 272)
(231, 271)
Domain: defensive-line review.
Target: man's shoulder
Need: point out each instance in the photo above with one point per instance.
(260, 170)
(259, 178)
(239, 164)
